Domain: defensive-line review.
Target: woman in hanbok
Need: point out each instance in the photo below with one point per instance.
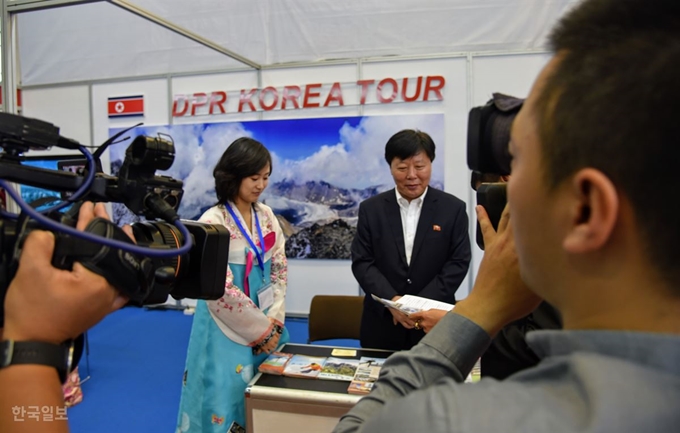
(230, 337)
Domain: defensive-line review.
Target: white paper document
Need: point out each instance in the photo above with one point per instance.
(408, 304)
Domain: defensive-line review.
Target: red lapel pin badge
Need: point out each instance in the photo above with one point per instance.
(436, 228)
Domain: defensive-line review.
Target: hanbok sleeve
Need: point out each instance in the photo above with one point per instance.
(279, 275)
(240, 314)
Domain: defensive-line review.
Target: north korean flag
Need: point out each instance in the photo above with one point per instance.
(126, 106)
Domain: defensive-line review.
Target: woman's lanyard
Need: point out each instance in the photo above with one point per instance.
(260, 257)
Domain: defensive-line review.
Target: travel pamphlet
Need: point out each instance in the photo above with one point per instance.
(275, 363)
(304, 366)
(366, 375)
(339, 369)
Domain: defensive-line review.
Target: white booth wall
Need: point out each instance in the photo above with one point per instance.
(67, 107)
(81, 112)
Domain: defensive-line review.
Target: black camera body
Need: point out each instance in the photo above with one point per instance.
(488, 155)
(146, 278)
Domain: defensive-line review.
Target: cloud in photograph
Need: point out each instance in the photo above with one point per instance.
(357, 159)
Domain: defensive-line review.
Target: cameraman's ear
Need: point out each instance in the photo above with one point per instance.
(594, 209)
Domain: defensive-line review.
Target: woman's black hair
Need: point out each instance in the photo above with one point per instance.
(244, 157)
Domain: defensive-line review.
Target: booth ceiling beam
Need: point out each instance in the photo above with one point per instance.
(10, 8)
(184, 32)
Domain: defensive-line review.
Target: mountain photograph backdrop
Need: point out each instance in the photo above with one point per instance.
(323, 169)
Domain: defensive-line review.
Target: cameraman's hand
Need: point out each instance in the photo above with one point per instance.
(499, 295)
(47, 304)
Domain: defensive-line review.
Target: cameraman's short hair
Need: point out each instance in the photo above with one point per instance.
(611, 104)
(244, 157)
(405, 144)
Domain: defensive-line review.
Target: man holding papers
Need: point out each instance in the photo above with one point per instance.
(411, 240)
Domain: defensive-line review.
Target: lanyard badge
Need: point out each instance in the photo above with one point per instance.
(244, 232)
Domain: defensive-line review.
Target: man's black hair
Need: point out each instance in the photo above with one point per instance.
(405, 144)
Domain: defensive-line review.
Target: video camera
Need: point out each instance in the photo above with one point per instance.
(183, 259)
(488, 155)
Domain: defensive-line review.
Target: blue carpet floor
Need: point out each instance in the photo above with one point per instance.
(136, 365)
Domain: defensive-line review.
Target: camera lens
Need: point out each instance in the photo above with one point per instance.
(163, 236)
(200, 274)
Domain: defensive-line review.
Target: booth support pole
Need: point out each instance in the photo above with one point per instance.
(9, 86)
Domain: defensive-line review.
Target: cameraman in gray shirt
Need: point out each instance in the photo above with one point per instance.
(581, 231)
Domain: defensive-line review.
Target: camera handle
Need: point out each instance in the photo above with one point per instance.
(131, 275)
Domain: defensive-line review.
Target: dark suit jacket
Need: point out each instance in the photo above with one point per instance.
(439, 262)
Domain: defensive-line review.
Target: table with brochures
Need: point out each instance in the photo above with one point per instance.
(285, 404)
